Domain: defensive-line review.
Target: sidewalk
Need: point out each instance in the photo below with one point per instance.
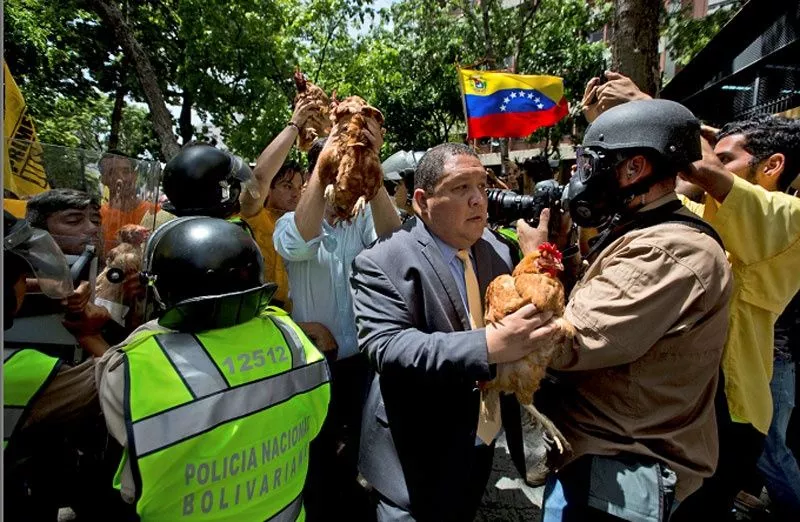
(507, 498)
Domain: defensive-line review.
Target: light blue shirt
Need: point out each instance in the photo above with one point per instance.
(456, 266)
(319, 273)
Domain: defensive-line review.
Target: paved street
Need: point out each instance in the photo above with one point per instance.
(507, 497)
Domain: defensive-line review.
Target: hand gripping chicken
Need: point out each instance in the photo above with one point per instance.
(318, 123)
(534, 281)
(122, 261)
(349, 166)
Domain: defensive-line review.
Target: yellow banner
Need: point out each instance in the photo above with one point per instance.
(484, 83)
(23, 171)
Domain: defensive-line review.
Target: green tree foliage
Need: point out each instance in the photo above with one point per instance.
(231, 62)
(687, 36)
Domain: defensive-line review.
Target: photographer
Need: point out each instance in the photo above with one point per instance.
(745, 171)
(636, 394)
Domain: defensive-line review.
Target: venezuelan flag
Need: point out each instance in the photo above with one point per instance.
(504, 105)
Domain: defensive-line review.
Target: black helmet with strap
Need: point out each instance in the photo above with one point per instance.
(204, 273)
(204, 181)
(663, 126)
(665, 131)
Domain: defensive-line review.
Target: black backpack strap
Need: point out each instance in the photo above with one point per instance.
(688, 218)
(672, 212)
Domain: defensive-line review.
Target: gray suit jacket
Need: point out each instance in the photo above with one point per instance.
(420, 418)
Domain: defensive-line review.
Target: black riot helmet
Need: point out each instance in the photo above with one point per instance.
(664, 131)
(204, 273)
(205, 181)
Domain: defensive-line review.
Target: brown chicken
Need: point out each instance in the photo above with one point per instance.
(533, 281)
(349, 167)
(122, 261)
(319, 123)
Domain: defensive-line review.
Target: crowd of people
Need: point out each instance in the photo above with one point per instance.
(250, 356)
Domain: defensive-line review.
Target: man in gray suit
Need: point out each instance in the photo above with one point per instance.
(418, 445)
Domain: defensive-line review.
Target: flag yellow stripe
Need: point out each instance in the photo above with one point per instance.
(550, 86)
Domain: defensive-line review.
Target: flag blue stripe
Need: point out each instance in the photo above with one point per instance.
(514, 100)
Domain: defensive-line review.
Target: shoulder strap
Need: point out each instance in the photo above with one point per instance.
(672, 212)
(696, 223)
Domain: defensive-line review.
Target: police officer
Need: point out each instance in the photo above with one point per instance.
(217, 398)
(44, 399)
(637, 382)
(398, 171)
(202, 180)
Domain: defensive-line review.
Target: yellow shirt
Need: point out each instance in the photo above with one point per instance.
(761, 232)
(263, 226)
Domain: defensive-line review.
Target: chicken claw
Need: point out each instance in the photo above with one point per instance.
(548, 426)
(360, 205)
(330, 193)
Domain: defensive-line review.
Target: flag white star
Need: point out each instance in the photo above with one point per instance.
(521, 94)
(513, 95)
(536, 99)
(502, 107)
(540, 105)
(530, 96)
(506, 99)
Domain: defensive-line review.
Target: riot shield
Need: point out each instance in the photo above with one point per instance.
(100, 209)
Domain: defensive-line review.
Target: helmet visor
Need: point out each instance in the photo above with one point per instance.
(588, 163)
(44, 256)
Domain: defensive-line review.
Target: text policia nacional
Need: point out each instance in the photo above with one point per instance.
(257, 479)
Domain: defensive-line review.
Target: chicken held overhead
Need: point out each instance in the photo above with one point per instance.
(349, 166)
(533, 281)
(319, 123)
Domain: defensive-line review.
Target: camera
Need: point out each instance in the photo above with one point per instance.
(506, 206)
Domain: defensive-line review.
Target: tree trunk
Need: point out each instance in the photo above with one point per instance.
(635, 42)
(159, 114)
(116, 114)
(185, 119)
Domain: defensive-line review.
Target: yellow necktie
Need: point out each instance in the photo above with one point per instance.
(489, 416)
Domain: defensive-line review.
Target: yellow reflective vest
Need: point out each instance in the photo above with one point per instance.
(219, 422)
(26, 373)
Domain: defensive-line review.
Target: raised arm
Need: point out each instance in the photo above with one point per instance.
(709, 173)
(384, 213)
(311, 208)
(270, 160)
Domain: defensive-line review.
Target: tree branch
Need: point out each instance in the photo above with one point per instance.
(327, 43)
(488, 49)
(533, 7)
(487, 34)
(161, 118)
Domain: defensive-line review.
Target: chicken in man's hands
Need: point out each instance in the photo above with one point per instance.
(534, 281)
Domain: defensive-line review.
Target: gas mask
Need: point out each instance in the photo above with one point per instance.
(593, 194)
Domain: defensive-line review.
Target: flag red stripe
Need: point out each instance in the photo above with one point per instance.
(515, 125)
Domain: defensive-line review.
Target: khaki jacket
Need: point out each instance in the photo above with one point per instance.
(651, 316)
